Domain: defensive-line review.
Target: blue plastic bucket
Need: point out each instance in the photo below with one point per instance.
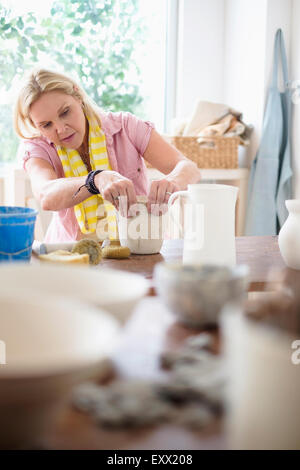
(16, 233)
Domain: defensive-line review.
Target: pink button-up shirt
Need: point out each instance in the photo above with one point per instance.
(127, 138)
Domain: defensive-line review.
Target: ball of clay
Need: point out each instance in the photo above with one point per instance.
(90, 247)
(65, 257)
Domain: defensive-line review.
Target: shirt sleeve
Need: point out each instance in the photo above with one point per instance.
(30, 149)
(138, 131)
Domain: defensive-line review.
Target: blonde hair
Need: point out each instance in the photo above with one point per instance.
(41, 81)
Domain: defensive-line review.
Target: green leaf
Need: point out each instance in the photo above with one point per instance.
(82, 8)
(71, 25)
(34, 50)
(60, 36)
(31, 17)
(29, 31)
(20, 23)
(95, 19)
(49, 38)
(47, 22)
(25, 41)
(37, 37)
(77, 30)
(13, 33)
(41, 47)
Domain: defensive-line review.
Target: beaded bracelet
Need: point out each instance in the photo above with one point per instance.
(89, 183)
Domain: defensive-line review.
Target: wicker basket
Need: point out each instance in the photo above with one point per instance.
(219, 152)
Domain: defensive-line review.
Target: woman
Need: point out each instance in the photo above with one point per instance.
(77, 156)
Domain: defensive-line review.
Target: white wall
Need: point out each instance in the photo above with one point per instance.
(279, 15)
(250, 27)
(295, 75)
(200, 53)
(225, 52)
(244, 61)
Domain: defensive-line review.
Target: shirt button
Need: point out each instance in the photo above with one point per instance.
(138, 169)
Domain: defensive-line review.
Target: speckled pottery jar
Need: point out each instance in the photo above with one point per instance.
(196, 294)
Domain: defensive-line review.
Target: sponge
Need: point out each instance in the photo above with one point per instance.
(116, 252)
(92, 248)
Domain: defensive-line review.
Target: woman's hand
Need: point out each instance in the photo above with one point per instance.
(116, 189)
(159, 195)
(179, 171)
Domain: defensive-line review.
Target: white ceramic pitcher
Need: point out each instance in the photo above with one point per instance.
(209, 223)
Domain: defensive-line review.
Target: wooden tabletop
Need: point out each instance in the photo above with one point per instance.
(261, 254)
(151, 330)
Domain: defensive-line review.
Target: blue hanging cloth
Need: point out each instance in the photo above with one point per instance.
(270, 182)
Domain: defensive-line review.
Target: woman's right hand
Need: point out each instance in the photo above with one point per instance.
(116, 189)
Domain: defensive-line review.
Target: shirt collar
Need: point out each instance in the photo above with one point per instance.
(111, 123)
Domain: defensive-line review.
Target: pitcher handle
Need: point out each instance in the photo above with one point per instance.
(171, 199)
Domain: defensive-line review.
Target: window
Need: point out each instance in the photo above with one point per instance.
(116, 49)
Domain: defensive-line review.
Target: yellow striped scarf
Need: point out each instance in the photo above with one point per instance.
(94, 209)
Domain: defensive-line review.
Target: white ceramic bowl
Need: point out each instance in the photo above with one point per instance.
(143, 233)
(47, 346)
(115, 291)
(196, 294)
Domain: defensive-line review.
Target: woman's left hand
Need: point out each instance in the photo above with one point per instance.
(159, 195)
(179, 171)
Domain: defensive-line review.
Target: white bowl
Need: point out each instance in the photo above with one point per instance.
(115, 291)
(143, 233)
(47, 346)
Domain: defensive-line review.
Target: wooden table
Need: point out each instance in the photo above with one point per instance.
(261, 254)
(151, 330)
